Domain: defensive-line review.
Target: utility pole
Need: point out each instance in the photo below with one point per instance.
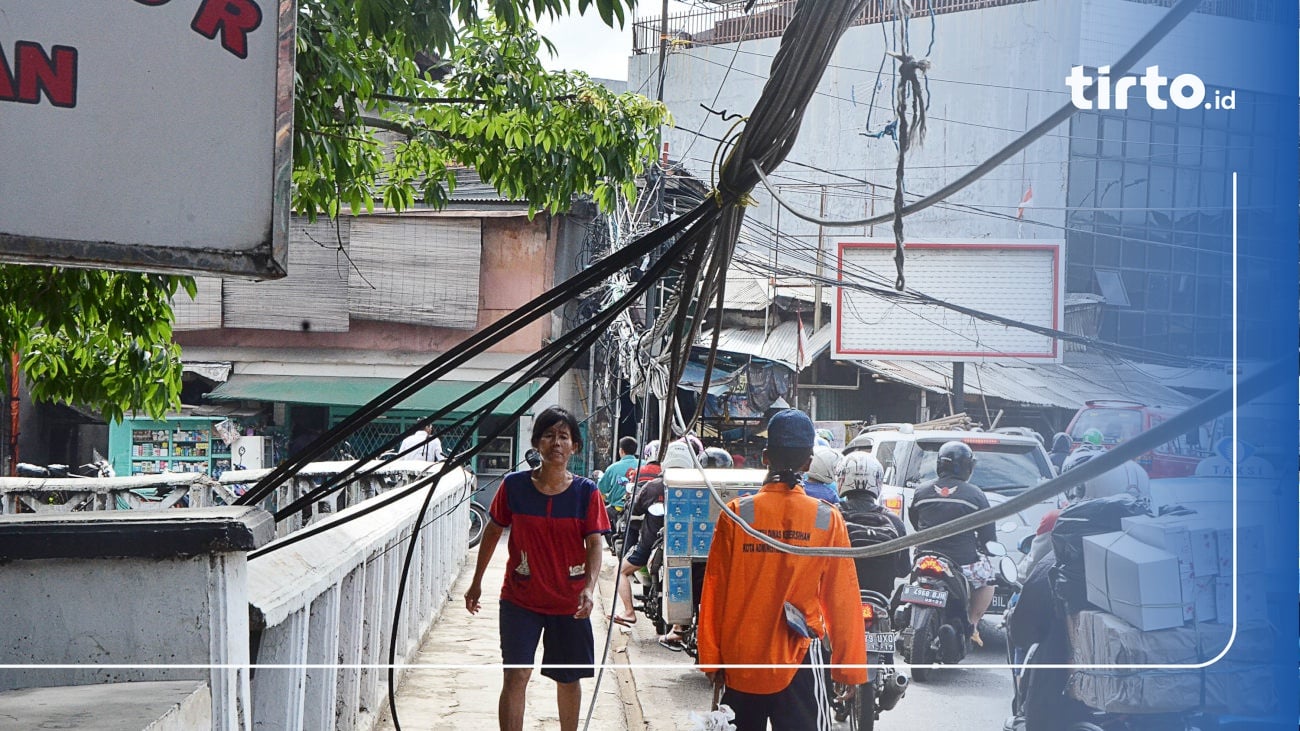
(958, 387)
(817, 298)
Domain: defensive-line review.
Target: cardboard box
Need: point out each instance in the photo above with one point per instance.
(1099, 638)
(1204, 598)
(1165, 533)
(1223, 599)
(1135, 581)
(1251, 598)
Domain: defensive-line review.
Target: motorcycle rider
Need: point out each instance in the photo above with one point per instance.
(1061, 446)
(819, 480)
(944, 499)
(678, 455)
(613, 483)
(859, 490)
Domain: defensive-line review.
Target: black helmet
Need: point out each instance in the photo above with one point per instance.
(533, 458)
(955, 460)
(716, 457)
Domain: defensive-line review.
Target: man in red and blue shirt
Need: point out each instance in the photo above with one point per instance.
(556, 521)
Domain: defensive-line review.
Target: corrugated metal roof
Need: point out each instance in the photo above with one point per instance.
(779, 344)
(1067, 385)
(749, 291)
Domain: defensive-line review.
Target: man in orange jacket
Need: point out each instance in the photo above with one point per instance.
(762, 606)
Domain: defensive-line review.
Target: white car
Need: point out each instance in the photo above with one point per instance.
(1005, 466)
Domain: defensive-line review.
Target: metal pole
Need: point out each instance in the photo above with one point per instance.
(817, 298)
(958, 387)
(13, 415)
(663, 51)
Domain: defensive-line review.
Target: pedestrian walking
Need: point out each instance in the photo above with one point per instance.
(556, 521)
(762, 606)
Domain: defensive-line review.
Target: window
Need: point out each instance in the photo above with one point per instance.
(884, 452)
(1004, 468)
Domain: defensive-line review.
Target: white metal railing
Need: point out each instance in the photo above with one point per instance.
(69, 494)
(329, 600)
(384, 477)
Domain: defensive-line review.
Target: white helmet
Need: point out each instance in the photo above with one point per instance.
(860, 471)
(824, 462)
(677, 455)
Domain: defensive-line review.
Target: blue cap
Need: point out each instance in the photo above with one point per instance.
(790, 429)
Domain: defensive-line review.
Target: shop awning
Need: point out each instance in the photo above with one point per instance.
(354, 391)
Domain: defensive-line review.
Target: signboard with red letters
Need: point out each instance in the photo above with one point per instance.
(147, 134)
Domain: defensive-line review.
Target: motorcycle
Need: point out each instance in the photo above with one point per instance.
(885, 686)
(932, 609)
(99, 467)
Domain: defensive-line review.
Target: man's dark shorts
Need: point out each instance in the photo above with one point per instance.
(565, 641)
(640, 553)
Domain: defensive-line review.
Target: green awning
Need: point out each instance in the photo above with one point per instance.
(350, 391)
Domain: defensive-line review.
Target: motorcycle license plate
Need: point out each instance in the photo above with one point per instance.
(881, 642)
(1000, 602)
(924, 596)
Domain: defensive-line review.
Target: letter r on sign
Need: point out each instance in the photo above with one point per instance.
(234, 19)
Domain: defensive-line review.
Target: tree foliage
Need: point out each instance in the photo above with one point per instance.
(535, 136)
(368, 124)
(94, 337)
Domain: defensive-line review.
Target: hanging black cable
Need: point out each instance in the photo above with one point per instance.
(545, 358)
(471, 347)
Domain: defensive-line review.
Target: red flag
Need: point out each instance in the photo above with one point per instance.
(1025, 201)
(800, 357)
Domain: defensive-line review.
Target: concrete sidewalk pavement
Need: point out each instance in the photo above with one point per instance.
(462, 683)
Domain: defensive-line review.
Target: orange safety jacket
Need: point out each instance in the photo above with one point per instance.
(747, 583)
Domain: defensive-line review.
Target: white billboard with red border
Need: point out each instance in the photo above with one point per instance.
(147, 134)
(1019, 281)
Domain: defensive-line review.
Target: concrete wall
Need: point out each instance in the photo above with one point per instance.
(997, 71)
(518, 258)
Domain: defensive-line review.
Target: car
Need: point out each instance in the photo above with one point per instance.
(1118, 421)
(1006, 465)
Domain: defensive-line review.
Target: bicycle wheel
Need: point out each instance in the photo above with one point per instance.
(478, 519)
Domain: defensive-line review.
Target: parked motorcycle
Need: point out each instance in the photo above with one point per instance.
(885, 686)
(932, 609)
(97, 468)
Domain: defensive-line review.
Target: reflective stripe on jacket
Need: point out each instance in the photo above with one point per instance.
(747, 583)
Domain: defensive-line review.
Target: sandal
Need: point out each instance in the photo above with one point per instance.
(672, 641)
(624, 621)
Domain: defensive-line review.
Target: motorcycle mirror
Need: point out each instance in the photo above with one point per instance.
(1006, 526)
(1025, 543)
(656, 509)
(993, 548)
(1007, 569)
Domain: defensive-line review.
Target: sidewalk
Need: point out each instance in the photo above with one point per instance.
(466, 697)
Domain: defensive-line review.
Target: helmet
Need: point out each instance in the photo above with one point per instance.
(1127, 479)
(694, 442)
(651, 451)
(824, 462)
(717, 457)
(1093, 437)
(533, 458)
(1062, 442)
(859, 471)
(826, 434)
(955, 460)
(677, 455)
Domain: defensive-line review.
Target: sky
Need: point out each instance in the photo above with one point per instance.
(585, 43)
